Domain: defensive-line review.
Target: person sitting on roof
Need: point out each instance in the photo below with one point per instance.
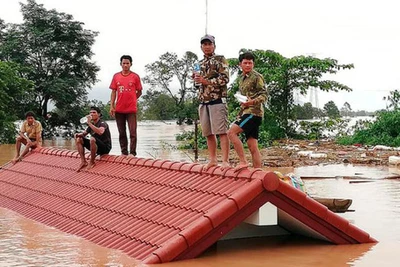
(30, 135)
(99, 142)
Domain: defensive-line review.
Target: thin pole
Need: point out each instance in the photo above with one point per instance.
(206, 15)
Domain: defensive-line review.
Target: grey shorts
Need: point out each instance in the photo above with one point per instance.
(213, 119)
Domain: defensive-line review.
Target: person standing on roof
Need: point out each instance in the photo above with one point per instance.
(212, 83)
(251, 85)
(126, 90)
(30, 135)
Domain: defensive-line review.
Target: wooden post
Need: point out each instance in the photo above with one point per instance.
(196, 150)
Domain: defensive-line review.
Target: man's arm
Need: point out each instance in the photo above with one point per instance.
(262, 93)
(23, 135)
(138, 93)
(261, 96)
(80, 134)
(39, 140)
(220, 77)
(112, 102)
(98, 130)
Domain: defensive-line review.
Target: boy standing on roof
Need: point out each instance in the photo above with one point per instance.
(251, 85)
(213, 111)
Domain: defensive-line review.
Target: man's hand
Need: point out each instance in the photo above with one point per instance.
(200, 79)
(112, 111)
(248, 103)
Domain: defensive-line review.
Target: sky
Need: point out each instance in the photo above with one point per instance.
(362, 32)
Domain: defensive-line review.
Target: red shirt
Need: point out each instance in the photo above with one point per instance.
(126, 87)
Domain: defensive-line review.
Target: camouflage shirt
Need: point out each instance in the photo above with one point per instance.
(252, 85)
(215, 70)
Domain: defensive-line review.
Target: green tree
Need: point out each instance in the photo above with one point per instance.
(172, 75)
(57, 51)
(158, 106)
(15, 96)
(394, 100)
(346, 109)
(383, 131)
(284, 75)
(304, 112)
(75, 112)
(331, 110)
(318, 113)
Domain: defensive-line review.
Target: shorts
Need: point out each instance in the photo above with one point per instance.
(101, 147)
(213, 118)
(250, 125)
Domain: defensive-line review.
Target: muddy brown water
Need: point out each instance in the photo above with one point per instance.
(376, 205)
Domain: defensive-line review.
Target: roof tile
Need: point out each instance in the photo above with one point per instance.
(154, 210)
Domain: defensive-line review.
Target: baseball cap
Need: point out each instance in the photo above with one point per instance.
(208, 38)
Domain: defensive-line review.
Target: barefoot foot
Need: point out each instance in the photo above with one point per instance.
(225, 165)
(241, 166)
(15, 160)
(209, 165)
(83, 165)
(91, 165)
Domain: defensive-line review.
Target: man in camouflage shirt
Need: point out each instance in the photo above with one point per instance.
(213, 111)
(251, 85)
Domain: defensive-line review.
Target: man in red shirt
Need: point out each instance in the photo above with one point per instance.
(126, 89)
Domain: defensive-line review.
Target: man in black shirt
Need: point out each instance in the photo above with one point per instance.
(99, 142)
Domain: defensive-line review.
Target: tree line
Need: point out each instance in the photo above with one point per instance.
(48, 59)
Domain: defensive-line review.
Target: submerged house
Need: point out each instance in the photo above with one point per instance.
(160, 211)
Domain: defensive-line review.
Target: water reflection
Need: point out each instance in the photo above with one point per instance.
(278, 251)
(376, 206)
(27, 243)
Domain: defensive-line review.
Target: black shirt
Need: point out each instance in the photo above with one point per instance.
(105, 137)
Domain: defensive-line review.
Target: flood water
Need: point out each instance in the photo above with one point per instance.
(376, 210)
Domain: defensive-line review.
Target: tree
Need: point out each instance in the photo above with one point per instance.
(331, 110)
(318, 113)
(158, 106)
(57, 51)
(15, 96)
(169, 69)
(304, 112)
(394, 99)
(346, 109)
(73, 113)
(284, 75)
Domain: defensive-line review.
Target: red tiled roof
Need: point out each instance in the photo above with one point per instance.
(154, 210)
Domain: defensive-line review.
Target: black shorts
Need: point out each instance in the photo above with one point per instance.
(250, 125)
(101, 147)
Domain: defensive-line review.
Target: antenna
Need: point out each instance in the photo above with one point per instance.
(206, 15)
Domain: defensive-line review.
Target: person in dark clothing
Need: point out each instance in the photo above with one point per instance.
(99, 142)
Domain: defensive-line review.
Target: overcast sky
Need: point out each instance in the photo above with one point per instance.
(365, 33)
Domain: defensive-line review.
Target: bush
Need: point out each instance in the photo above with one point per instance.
(384, 131)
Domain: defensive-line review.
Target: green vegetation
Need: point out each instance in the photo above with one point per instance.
(56, 53)
(283, 76)
(48, 58)
(45, 58)
(15, 93)
(383, 131)
(331, 110)
(163, 101)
